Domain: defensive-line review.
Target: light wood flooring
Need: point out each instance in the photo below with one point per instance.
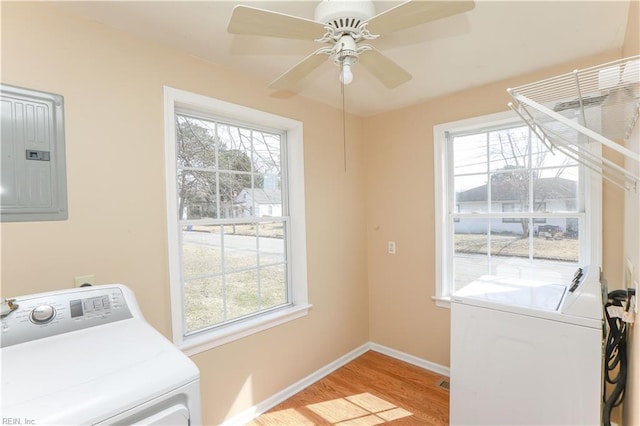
(373, 389)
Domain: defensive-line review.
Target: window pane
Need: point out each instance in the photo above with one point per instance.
(234, 153)
(273, 288)
(470, 259)
(258, 202)
(560, 237)
(271, 243)
(203, 303)
(197, 196)
(240, 247)
(471, 236)
(470, 154)
(266, 153)
(509, 237)
(242, 293)
(268, 181)
(510, 248)
(510, 208)
(542, 157)
(509, 149)
(510, 188)
(195, 142)
(556, 248)
(557, 189)
(231, 188)
(201, 253)
(525, 269)
(471, 193)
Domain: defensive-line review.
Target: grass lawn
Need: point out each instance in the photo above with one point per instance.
(248, 286)
(566, 249)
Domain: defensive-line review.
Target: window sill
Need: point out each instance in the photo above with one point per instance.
(443, 302)
(195, 344)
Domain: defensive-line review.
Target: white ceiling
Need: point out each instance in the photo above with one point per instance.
(494, 41)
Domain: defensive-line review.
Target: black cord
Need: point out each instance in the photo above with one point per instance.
(615, 355)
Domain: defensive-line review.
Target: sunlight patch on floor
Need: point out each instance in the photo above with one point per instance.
(337, 410)
(362, 409)
(370, 420)
(395, 414)
(370, 402)
(288, 417)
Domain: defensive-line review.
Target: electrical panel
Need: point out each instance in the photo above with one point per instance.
(33, 184)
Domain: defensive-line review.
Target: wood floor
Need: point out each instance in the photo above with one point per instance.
(373, 389)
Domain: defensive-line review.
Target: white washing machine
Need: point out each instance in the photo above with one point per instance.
(525, 353)
(86, 356)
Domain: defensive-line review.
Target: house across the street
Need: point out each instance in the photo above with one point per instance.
(266, 202)
(509, 195)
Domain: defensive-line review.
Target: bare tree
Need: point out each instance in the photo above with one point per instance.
(521, 173)
(217, 161)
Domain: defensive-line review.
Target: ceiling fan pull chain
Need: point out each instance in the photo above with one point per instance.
(344, 129)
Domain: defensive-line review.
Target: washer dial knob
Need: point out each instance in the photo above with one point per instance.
(42, 314)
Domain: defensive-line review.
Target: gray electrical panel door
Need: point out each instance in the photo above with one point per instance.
(33, 184)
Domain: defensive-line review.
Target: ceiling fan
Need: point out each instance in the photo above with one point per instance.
(342, 26)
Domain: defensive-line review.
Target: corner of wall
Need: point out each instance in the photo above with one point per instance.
(631, 45)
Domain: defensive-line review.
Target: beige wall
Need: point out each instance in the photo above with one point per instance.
(632, 35)
(112, 85)
(400, 208)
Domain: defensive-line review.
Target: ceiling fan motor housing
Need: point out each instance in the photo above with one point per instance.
(346, 48)
(344, 15)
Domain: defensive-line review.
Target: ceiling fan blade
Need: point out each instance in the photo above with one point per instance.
(253, 21)
(289, 79)
(384, 69)
(416, 12)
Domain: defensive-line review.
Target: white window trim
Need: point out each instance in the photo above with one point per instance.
(296, 250)
(591, 251)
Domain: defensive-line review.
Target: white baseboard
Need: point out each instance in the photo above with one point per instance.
(410, 359)
(247, 415)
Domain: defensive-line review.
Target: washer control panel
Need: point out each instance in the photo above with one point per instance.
(49, 314)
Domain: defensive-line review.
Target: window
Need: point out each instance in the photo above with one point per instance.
(235, 220)
(517, 207)
(508, 207)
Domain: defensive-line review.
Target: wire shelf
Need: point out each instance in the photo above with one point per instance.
(598, 105)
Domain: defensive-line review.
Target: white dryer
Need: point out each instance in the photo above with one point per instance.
(86, 356)
(525, 353)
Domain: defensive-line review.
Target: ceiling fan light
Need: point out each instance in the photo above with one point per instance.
(346, 76)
